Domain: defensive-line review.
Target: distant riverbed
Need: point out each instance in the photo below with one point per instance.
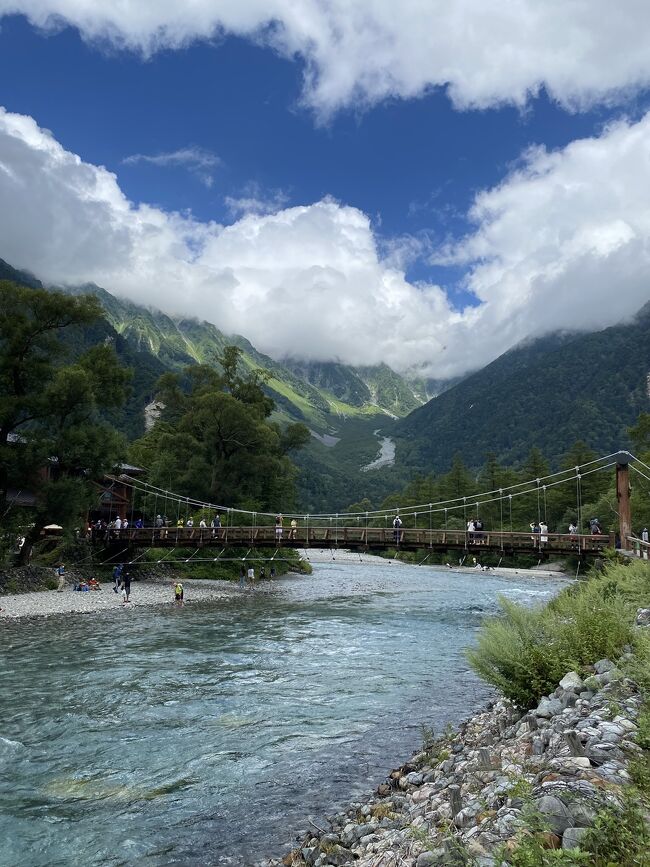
(209, 734)
(386, 456)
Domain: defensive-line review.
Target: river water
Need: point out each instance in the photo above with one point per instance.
(209, 734)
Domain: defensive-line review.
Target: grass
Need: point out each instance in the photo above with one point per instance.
(525, 652)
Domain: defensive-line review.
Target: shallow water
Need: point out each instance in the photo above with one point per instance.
(209, 734)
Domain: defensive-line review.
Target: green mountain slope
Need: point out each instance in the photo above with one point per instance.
(341, 405)
(546, 393)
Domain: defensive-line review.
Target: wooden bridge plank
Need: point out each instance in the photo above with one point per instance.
(368, 538)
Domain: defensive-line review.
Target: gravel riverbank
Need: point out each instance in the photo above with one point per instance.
(149, 592)
(469, 796)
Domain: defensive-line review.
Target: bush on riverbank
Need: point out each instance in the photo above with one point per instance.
(525, 652)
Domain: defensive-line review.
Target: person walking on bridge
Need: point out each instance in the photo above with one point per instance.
(278, 528)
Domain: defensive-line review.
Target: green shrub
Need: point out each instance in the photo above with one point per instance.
(525, 652)
(619, 836)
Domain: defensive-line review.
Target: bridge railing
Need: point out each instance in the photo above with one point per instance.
(364, 537)
(640, 547)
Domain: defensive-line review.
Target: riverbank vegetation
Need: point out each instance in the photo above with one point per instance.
(525, 652)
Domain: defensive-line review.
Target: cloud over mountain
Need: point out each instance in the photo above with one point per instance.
(485, 52)
(562, 242)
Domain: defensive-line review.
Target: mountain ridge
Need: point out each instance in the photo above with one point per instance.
(547, 392)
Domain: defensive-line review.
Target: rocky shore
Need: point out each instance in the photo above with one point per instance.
(468, 796)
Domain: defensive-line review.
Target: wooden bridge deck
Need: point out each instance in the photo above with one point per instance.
(366, 539)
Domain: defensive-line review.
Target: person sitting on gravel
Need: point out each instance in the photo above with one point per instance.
(94, 584)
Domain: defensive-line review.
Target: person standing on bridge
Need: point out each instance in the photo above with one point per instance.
(294, 527)
(397, 529)
(644, 534)
(543, 531)
(278, 528)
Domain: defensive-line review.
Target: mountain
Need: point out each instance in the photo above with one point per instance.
(346, 408)
(548, 393)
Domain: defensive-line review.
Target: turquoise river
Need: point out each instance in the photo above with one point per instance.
(211, 734)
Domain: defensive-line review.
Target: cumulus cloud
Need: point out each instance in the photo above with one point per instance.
(485, 52)
(197, 160)
(562, 242)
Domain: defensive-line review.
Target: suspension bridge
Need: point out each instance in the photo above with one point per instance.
(420, 528)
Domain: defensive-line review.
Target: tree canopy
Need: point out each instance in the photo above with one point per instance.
(214, 441)
(52, 397)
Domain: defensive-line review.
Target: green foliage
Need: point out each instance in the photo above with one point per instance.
(526, 652)
(214, 441)
(619, 836)
(51, 400)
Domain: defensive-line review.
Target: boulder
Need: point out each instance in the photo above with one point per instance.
(603, 665)
(549, 707)
(572, 681)
(555, 813)
(572, 836)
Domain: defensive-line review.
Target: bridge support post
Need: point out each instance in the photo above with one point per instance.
(623, 497)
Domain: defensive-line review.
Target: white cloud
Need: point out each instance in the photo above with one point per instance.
(197, 160)
(254, 200)
(563, 242)
(486, 52)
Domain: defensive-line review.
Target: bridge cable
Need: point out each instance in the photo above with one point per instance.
(378, 512)
(501, 508)
(230, 510)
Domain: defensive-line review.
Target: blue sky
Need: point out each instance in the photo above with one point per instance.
(413, 166)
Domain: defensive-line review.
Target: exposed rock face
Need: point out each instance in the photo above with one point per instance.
(567, 759)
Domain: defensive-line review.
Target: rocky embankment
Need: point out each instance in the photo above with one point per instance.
(469, 796)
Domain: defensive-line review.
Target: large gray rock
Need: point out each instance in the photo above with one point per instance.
(572, 681)
(603, 665)
(549, 707)
(572, 836)
(555, 813)
(583, 812)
